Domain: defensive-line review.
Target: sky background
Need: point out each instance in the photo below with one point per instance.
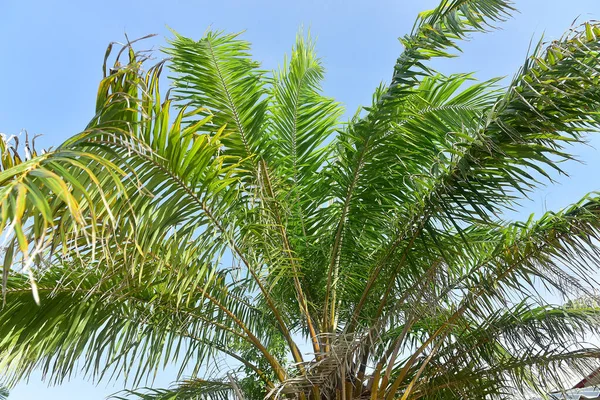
(52, 54)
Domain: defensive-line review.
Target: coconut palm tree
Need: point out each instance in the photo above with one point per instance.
(238, 229)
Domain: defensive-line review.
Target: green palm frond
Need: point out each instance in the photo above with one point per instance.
(45, 201)
(511, 345)
(217, 72)
(302, 119)
(187, 390)
(56, 333)
(136, 247)
(437, 30)
(491, 166)
(433, 33)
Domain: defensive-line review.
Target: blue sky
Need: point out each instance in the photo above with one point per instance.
(53, 50)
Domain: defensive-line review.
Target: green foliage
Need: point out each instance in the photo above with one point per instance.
(197, 389)
(251, 384)
(227, 229)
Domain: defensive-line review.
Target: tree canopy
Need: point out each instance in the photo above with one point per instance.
(236, 219)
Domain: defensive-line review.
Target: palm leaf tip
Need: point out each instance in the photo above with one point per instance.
(438, 29)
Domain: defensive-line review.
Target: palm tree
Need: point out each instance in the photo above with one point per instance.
(268, 249)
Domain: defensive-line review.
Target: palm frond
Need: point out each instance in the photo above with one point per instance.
(437, 30)
(491, 166)
(301, 117)
(217, 73)
(186, 390)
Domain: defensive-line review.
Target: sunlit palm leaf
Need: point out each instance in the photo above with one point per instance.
(216, 72)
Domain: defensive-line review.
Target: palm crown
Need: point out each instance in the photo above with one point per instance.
(361, 260)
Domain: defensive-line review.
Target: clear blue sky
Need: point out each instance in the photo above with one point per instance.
(52, 53)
